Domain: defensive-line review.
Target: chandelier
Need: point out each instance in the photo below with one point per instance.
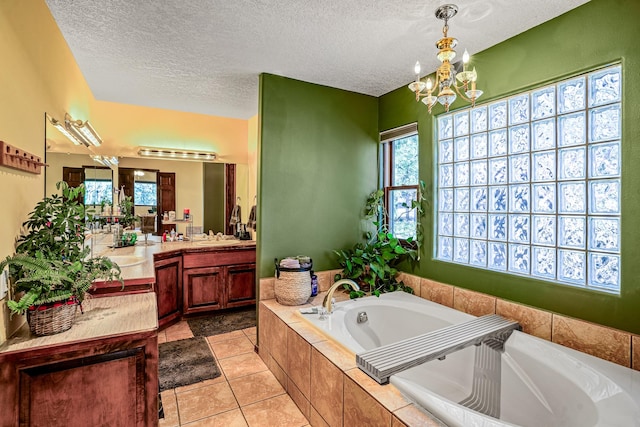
(446, 76)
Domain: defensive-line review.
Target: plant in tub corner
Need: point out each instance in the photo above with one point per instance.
(52, 266)
(373, 264)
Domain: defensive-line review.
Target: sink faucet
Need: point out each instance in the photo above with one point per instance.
(327, 299)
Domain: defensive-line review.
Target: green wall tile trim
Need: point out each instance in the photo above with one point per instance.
(318, 150)
(597, 33)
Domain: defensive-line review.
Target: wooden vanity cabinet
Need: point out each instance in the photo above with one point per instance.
(168, 287)
(203, 289)
(218, 279)
(241, 285)
(101, 372)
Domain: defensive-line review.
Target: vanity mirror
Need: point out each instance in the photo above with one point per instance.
(177, 184)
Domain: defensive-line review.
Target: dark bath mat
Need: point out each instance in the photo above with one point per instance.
(185, 362)
(220, 323)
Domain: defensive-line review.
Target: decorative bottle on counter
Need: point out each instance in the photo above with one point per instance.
(314, 285)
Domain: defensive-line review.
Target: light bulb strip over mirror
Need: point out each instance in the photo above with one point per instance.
(171, 154)
(446, 76)
(108, 161)
(77, 131)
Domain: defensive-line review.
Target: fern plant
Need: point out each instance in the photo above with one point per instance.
(51, 262)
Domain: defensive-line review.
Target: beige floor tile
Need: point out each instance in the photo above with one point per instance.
(250, 331)
(179, 331)
(232, 347)
(244, 364)
(253, 388)
(204, 402)
(170, 406)
(278, 411)
(233, 418)
(205, 383)
(225, 336)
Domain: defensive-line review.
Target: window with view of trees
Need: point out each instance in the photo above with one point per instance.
(145, 193)
(400, 157)
(97, 191)
(530, 185)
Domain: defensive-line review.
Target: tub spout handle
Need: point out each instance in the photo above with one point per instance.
(327, 304)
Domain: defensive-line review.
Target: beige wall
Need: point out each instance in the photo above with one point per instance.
(25, 97)
(38, 75)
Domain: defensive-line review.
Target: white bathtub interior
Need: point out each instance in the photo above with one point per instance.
(542, 383)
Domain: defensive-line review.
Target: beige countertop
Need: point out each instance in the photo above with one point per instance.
(102, 317)
(144, 268)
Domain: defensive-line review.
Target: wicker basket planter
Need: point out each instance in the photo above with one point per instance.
(292, 285)
(52, 320)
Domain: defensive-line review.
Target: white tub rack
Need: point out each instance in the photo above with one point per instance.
(382, 362)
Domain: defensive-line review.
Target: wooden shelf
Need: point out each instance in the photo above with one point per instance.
(15, 158)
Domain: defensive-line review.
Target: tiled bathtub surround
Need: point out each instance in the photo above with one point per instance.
(606, 343)
(322, 377)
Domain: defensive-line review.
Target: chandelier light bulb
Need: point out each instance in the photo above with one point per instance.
(465, 57)
(416, 69)
(429, 84)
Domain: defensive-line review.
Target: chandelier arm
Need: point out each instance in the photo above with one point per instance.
(462, 94)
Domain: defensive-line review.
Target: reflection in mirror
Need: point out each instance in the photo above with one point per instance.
(98, 183)
(187, 186)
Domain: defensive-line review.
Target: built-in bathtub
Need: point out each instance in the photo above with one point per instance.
(541, 383)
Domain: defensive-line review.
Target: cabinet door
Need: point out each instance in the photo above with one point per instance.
(241, 284)
(169, 288)
(203, 289)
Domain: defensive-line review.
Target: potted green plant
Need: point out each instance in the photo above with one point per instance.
(126, 209)
(52, 269)
(373, 263)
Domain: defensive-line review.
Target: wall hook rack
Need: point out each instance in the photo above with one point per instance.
(15, 158)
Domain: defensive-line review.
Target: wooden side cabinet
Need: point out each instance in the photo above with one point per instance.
(101, 372)
(168, 271)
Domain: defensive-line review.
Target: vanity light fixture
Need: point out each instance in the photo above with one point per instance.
(446, 74)
(107, 161)
(78, 132)
(171, 154)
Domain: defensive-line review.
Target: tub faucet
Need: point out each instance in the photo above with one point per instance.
(327, 299)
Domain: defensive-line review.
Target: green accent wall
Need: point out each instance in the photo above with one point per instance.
(318, 149)
(214, 197)
(597, 33)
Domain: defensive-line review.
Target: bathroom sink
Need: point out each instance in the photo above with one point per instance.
(126, 260)
(216, 242)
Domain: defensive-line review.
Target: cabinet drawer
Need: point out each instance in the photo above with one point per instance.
(218, 258)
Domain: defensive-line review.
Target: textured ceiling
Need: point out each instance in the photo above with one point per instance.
(205, 56)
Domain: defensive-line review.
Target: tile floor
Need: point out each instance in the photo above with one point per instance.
(246, 394)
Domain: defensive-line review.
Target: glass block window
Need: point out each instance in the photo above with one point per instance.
(530, 185)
